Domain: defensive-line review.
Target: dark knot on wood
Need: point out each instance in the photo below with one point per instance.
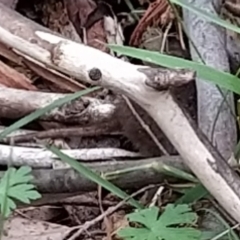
(95, 74)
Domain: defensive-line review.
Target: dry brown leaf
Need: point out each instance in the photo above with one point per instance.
(118, 220)
(42, 213)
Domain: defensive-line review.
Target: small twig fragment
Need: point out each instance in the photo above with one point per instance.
(101, 129)
(109, 211)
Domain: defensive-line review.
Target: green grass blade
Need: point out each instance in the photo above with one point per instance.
(88, 173)
(34, 115)
(223, 79)
(237, 151)
(193, 194)
(208, 16)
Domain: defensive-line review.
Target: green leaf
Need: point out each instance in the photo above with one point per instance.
(177, 214)
(19, 188)
(193, 194)
(34, 115)
(88, 173)
(223, 79)
(208, 16)
(146, 217)
(163, 227)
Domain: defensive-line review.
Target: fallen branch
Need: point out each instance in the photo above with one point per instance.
(11, 22)
(131, 80)
(76, 137)
(91, 131)
(82, 111)
(42, 158)
(138, 84)
(154, 170)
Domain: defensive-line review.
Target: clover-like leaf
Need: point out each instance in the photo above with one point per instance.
(15, 185)
(169, 226)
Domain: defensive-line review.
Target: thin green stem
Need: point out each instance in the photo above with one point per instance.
(130, 6)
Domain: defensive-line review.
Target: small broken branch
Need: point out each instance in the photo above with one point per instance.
(83, 111)
(42, 158)
(8, 20)
(91, 131)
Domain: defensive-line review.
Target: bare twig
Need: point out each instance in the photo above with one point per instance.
(109, 211)
(100, 129)
(145, 127)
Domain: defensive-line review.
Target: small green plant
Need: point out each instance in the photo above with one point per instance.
(173, 224)
(15, 185)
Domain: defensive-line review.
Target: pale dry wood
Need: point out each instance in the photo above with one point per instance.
(85, 110)
(60, 80)
(67, 56)
(217, 176)
(9, 3)
(14, 21)
(91, 131)
(42, 158)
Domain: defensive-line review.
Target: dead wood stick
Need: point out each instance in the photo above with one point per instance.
(83, 111)
(60, 80)
(103, 215)
(57, 78)
(140, 84)
(91, 131)
(137, 83)
(42, 158)
(67, 182)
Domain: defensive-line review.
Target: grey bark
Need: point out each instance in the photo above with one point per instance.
(67, 182)
(210, 41)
